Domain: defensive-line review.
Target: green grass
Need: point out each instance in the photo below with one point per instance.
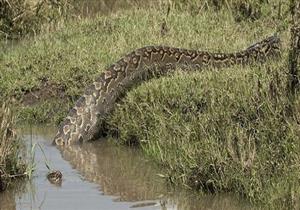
(222, 131)
(230, 130)
(73, 56)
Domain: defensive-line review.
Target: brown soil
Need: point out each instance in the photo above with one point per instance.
(46, 90)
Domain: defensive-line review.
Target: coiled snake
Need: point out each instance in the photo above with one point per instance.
(85, 120)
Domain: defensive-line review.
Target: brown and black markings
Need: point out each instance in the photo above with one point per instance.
(85, 120)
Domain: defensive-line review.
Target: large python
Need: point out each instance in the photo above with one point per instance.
(86, 119)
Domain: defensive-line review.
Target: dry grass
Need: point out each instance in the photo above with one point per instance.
(21, 17)
(10, 163)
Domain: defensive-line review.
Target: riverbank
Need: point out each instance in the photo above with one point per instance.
(235, 130)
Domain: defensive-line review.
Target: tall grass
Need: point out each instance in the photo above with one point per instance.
(21, 17)
(218, 131)
(65, 62)
(11, 166)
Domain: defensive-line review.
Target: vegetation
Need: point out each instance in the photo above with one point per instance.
(48, 74)
(11, 166)
(21, 17)
(230, 130)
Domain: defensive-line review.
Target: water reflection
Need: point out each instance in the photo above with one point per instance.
(101, 175)
(120, 171)
(7, 200)
(124, 172)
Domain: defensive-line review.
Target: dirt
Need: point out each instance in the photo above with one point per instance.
(47, 90)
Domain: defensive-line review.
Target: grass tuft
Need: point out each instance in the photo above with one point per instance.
(11, 166)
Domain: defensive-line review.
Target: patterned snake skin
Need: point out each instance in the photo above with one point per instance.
(86, 119)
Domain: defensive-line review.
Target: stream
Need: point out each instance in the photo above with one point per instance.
(101, 175)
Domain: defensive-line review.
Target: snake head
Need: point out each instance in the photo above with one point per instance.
(268, 47)
(274, 43)
(55, 177)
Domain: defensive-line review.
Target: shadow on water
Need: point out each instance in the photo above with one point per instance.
(101, 175)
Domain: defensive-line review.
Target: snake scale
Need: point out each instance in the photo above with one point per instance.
(86, 119)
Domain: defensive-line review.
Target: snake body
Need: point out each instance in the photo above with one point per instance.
(86, 119)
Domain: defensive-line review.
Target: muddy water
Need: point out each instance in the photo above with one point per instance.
(101, 175)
